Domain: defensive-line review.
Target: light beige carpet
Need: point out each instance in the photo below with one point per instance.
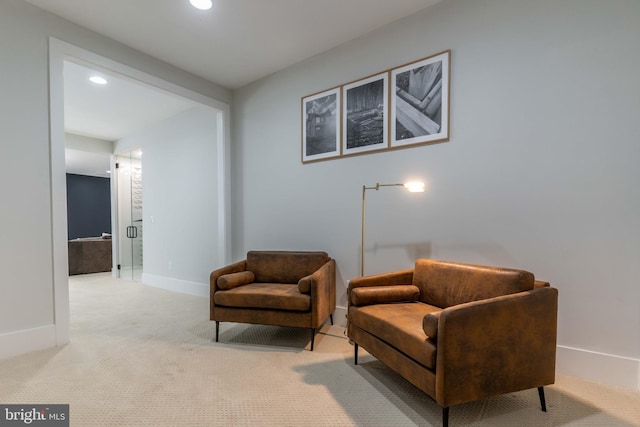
(142, 356)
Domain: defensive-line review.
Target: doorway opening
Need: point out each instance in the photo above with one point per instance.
(59, 52)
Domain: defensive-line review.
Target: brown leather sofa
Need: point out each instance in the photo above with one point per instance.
(89, 255)
(458, 332)
(275, 288)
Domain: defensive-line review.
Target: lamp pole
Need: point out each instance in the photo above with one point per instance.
(411, 187)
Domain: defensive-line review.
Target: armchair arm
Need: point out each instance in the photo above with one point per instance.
(234, 280)
(213, 280)
(430, 325)
(495, 346)
(540, 284)
(322, 288)
(236, 267)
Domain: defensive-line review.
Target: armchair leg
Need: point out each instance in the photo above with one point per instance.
(217, 329)
(543, 403)
(355, 353)
(313, 337)
(331, 317)
(445, 417)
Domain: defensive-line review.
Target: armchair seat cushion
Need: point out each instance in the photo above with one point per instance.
(273, 296)
(400, 325)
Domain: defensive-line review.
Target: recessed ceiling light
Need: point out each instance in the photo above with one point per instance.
(202, 4)
(98, 80)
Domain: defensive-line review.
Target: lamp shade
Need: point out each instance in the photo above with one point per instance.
(414, 187)
(202, 4)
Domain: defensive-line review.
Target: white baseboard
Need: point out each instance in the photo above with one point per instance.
(599, 367)
(22, 342)
(176, 285)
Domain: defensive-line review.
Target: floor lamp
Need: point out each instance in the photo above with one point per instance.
(412, 187)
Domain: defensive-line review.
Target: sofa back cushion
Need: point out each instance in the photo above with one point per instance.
(445, 284)
(284, 266)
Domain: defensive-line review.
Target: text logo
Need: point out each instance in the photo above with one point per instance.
(34, 415)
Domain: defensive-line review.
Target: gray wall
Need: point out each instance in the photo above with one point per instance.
(88, 206)
(26, 288)
(540, 173)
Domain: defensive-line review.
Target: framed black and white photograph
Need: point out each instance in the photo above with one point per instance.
(321, 125)
(364, 118)
(420, 101)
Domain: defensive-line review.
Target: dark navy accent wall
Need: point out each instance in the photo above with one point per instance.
(88, 206)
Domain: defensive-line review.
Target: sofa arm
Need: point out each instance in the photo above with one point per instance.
(496, 346)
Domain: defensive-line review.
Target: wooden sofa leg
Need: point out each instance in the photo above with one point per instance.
(331, 317)
(355, 353)
(445, 417)
(217, 329)
(543, 403)
(313, 337)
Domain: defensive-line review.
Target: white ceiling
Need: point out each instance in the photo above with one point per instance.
(108, 113)
(116, 109)
(238, 41)
(235, 43)
(82, 162)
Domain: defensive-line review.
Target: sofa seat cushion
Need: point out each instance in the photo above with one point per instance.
(273, 296)
(399, 325)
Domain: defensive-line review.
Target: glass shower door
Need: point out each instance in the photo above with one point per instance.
(129, 167)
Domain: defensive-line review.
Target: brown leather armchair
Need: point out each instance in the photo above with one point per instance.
(279, 288)
(458, 332)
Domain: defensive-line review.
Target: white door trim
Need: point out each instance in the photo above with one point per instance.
(60, 51)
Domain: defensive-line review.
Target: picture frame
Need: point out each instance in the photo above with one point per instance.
(420, 101)
(321, 131)
(365, 114)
